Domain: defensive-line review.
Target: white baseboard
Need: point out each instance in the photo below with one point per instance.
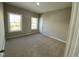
(41, 33)
(19, 35)
(54, 38)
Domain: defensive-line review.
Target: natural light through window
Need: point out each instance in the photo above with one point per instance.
(15, 22)
(34, 23)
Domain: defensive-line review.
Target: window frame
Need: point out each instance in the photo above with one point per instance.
(9, 22)
(31, 22)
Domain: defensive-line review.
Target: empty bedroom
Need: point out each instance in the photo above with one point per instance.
(36, 29)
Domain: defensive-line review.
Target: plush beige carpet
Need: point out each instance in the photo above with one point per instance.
(36, 45)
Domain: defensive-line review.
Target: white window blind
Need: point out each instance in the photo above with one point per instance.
(15, 22)
(34, 23)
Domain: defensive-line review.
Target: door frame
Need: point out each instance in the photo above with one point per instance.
(2, 31)
(72, 40)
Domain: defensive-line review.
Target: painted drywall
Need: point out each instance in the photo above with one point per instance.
(2, 34)
(26, 20)
(55, 23)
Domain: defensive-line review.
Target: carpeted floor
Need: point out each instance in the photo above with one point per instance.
(36, 45)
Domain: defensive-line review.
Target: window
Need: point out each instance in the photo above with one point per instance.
(14, 22)
(34, 23)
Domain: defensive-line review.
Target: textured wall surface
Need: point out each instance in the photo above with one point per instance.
(55, 23)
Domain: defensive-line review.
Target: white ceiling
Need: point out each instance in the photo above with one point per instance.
(43, 7)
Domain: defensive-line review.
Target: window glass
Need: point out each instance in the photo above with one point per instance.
(34, 23)
(15, 22)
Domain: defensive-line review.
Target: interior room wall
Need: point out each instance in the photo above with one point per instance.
(55, 24)
(26, 20)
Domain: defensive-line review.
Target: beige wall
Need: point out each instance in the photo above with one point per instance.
(2, 34)
(26, 20)
(55, 23)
